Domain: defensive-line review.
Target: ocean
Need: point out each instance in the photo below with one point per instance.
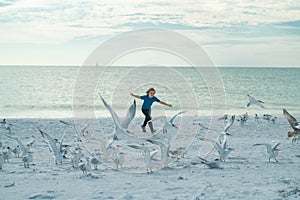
(52, 92)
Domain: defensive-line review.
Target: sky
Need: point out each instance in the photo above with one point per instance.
(233, 33)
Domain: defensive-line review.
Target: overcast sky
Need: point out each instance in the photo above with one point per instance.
(234, 33)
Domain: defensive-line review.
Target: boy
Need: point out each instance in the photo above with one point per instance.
(146, 107)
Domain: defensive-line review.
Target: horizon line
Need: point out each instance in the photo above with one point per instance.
(218, 66)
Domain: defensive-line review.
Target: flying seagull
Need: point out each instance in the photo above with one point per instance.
(253, 101)
(294, 124)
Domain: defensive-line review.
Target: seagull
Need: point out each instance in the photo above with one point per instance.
(85, 167)
(225, 133)
(221, 149)
(178, 153)
(164, 137)
(95, 161)
(24, 150)
(149, 156)
(119, 159)
(77, 133)
(28, 158)
(224, 118)
(169, 130)
(294, 124)
(75, 158)
(120, 131)
(58, 155)
(164, 149)
(32, 142)
(256, 117)
(272, 152)
(253, 101)
(3, 122)
(17, 151)
(1, 161)
(161, 138)
(6, 152)
(273, 119)
(267, 117)
(211, 164)
(6, 125)
(243, 118)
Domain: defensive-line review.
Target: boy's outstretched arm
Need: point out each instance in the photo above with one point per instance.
(134, 95)
(166, 104)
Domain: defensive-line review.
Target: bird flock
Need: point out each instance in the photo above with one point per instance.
(155, 149)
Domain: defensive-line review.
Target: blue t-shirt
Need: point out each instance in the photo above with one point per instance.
(148, 102)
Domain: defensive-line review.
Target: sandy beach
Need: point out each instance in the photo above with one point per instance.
(246, 173)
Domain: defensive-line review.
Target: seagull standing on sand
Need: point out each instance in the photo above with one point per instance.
(267, 117)
(7, 154)
(17, 151)
(57, 154)
(95, 161)
(253, 101)
(273, 119)
(225, 117)
(272, 152)
(149, 156)
(85, 167)
(24, 150)
(294, 124)
(28, 158)
(164, 137)
(221, 149)
(6, 125)
(256, 117)
(119, 159)
(178, 153)
(75, 159)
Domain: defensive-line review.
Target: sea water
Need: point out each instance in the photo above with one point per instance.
(48, 91)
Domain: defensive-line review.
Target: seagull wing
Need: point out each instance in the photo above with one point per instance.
(260, 103)
(129, 116)
(84, 128)
(23, 149)
(64, 122)
(51, 142)
(119, 130)
(114, 115)
(217, 146)
(173, 118)
(229, 124)
(61, 142)
(157, 142)
(275, 146)
(251, 100)
(204, 161)
(292, 120)
(269, 148)
(162, 119)
(153, 153)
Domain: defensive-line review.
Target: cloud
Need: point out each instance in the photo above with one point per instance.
(105, 16)
(214, 23)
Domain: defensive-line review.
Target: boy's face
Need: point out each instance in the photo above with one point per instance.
(151, 94)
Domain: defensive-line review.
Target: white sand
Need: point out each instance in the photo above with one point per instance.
(247, 174)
